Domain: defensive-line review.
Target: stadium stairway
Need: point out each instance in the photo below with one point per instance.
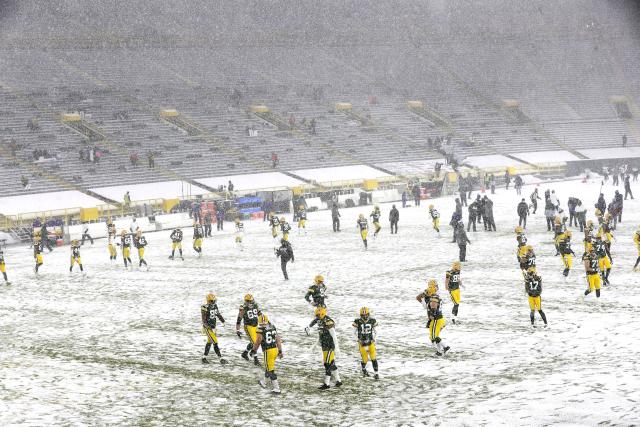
(519, 116)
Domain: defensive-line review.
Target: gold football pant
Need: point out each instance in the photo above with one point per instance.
(435, 326)
(367, 351)
(535, 303)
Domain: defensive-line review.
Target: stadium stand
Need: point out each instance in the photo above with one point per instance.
(483, 86)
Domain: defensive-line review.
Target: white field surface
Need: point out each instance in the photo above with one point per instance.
(124, 348)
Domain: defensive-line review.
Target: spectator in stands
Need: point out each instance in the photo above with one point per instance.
(33, 124)
(25, 182)
(624, 141)
(274, 160)
(230, 187)
(523, 212)
(312, 126)
(220, 216)
(416, 194)
(394, 217)
(152, 160)
(404, 198)
(85, 233)
(133, 158)
(98, 154)
(207, 224)
(292, 121)
(487, 214)
(335, 217)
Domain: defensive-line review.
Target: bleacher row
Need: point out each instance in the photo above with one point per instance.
(122, 92)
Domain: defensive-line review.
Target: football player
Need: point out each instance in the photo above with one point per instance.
(452, 284)
(329, 345)
(3, 268)
(176, 243)
(198, 234)
(75, 255)
(317, 292)
(431, 301)
(285, 228)
(533, 288)
(248, 314)
(140, 242)
(435, 219)
(564, 246)
(125, 244)
(268, 338)
(375, 219)
(590, 261)
(210, 315)
(366, 333)
(363, 226)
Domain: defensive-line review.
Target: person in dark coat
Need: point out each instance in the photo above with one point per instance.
(462, 187)
(479, 208)
(627, 188)
(285, 253)
(458, 207)
(572, 203)
(207, 224)
(462, 239)
(523, 212)
(619, 204)
(534, 197)
(44, 236)
(518, 184)
(416, 194)
(455, 219)
(404, 199)
(394, 217)
(487, 214)
(220, 217)
(507, 178)
(601, 205)
(335, 217)
(473, 213)
(549, 212)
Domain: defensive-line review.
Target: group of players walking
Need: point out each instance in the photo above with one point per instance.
(263, 335)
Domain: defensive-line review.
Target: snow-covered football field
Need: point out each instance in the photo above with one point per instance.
(124, 348)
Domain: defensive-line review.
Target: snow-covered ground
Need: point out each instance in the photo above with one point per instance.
(123, 348)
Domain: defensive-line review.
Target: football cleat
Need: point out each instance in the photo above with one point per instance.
(205, 360)
(324, 387)
(338, 383)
